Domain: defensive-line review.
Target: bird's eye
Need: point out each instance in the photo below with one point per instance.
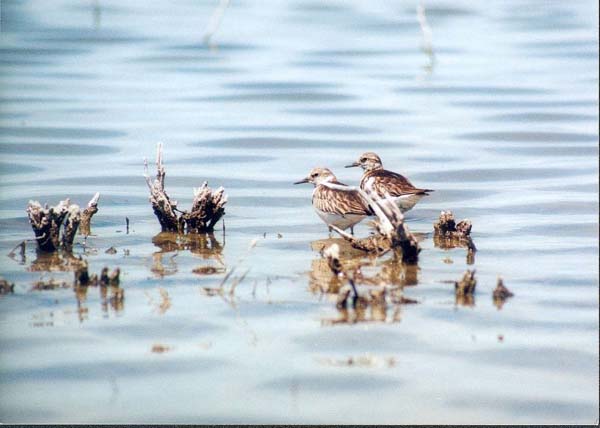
(363, 159)
(314, 174)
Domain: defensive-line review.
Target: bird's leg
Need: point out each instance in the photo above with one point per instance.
(352, 230)
(355, 297)
(330, 232)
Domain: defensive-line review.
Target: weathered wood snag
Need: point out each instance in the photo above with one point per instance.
(72, 221)
(392, 232)
(208, 206)
(448, 234)
(46, 223)
(451, 234)
(207, 209)
(84, 279)
(87, 214)
(6, 287)
(466, 286)
(501, 293)
(465, 289)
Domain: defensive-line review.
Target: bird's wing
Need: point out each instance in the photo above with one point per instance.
(395, 184)
(339, 201)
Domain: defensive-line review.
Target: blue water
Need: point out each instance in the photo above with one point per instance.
(503, 124)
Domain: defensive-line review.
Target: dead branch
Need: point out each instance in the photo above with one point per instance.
(164, 208)
(467, 284)
(501, 293)
(72, 221)
(46, 223)
(207, 208)
(87, 214)
(6, 287)
(464, 289)
(392, 232)
(448, 234)
(215, 21)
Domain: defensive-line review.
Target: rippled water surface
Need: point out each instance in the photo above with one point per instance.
(503, 125)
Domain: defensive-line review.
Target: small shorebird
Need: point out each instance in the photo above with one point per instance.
(383, 182)
(341, 208)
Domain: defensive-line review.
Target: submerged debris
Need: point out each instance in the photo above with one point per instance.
(448, 234)
(58, 261)
(87, 214)
(360, 361)
(50, 284)
(501, 293)
(47, 222)
(165, 301)
(208, 270)
(160, 349)
(83, 278)
(466, 286)
(117, 298)
(392, 232)
(208, 206)
(348, 297)
(6, 287)
(465, 289)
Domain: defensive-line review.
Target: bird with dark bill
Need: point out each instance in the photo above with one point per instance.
(387, 183)
(335, 206)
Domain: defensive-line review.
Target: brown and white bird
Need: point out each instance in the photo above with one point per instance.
(335, 206)
(383, 182)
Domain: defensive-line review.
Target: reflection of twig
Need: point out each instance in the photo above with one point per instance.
(165, 301)
(96, 13)
(427, 45)
(22, 245)
(215, 21)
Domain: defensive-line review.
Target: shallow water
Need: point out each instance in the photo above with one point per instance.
(504, 126)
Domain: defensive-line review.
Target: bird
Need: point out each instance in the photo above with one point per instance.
(383, 182)
(340, 208)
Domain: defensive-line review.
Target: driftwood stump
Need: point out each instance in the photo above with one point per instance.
(501, 293)
(448, 234)
(392, 232)
(465, 289)
(86, 215)
(207, 208)
(47, 222)
(451, 234)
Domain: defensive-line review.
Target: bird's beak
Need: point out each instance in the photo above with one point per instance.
(352, 165)
(304, 180)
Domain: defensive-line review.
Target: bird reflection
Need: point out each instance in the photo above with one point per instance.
(384, 279)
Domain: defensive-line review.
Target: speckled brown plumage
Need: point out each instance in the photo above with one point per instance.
(387, 181)
(338, 202)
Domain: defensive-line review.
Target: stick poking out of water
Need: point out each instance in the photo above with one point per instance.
(208, 206)
(427, 44)
(215, 21)
(87, 214)
(392, 231)
(47, 223)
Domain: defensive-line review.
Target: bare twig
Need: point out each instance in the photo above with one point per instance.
(86, 215)
(392, 231)
(427, 44)
(215, 21)
(208, 207)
